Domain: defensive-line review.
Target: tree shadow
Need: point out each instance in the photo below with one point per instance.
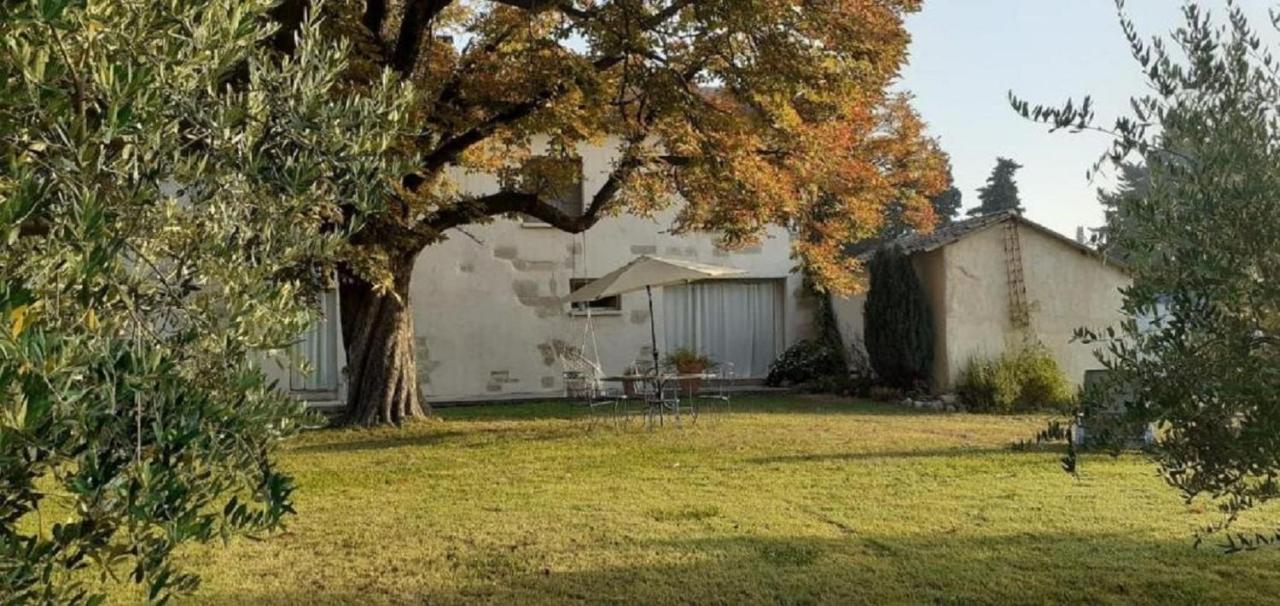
(859, 566)
(830, 407)
(342, 441)
(541, 410)
(923, 453)
(753, 404)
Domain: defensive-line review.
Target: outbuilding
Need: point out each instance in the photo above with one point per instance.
(998, 282)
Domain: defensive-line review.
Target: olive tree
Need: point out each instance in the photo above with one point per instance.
(169, 186)
(1199, 355)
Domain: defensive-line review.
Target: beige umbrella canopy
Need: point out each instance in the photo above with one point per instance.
(645, 272)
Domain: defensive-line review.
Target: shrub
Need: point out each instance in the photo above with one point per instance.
(686, 360)
(805, 362)
(1028, 379)
(899, 327)
(988, 385)
(1043, 383)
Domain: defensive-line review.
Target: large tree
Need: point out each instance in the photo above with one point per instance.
(1133, 184)
(900, 217)
(946, 206)
(1001, 191)
(754, 113)
(1200, 354)
(168, 184)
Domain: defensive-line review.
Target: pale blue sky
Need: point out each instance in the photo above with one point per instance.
(966, 55)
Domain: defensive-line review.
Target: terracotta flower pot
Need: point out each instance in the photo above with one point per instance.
(691, 386)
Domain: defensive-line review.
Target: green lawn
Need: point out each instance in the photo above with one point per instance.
(796, 500)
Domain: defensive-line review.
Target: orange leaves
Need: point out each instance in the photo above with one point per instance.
(800, 131)
(756, 112)
(831, 176)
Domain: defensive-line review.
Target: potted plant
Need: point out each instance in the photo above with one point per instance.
(686, 361)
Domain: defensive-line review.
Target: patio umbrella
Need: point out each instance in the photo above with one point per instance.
(647, 271)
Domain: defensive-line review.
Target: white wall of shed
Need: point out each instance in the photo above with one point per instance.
(1066, 289)
(967, 286)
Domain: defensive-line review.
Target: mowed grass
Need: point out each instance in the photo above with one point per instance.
(790, 500)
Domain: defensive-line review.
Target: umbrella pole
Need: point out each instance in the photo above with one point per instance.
(653, 330)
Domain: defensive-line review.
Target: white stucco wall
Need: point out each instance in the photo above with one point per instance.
(487, 306)
(1066, 289)
(849, 318)
(968, 289)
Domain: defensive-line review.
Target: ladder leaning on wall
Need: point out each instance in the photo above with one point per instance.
(1019, 310)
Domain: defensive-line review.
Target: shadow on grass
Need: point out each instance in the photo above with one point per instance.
(857, 567)
(479, 425)
(923, 453)
(546, 410)
(352, 440)
(791, 404)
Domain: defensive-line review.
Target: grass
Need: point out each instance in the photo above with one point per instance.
(797, 500)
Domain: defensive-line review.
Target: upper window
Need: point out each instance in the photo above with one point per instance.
(559, 180)
(607, 304)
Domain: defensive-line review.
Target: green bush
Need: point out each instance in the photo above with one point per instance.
(1044, 385)
(806, 361)
(135, 416)
(899, 326)
(1027, 379)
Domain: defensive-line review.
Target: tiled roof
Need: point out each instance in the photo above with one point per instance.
(922, 242)
(942, 236)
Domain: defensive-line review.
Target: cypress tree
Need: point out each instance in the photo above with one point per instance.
(899, 327)
(1001, 191)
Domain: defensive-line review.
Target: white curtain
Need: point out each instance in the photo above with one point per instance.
(319, 346)
(738, 321)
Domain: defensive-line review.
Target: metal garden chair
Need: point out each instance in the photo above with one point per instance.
(716, 389)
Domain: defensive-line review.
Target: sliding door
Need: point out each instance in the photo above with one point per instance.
(737, 321)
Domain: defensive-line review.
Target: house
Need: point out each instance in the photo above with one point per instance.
(491, 323)
(999, 281)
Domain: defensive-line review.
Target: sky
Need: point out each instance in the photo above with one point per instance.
(966, 55)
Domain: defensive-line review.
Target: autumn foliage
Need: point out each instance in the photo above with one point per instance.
(741, 114)
(756, 113)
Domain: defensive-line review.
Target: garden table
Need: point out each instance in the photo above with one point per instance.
(659, 399)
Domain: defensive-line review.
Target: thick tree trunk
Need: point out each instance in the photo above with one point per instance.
(377, 329)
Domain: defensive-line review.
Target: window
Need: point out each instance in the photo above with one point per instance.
(607, 305)
(546, 171)
(739, 321)
(319, 347)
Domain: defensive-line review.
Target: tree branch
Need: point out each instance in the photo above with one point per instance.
(565, 7)
(665, 14)
(448, 151)
(418, 15)
(450, 148)
(375, 12)
(452, 91)
(506, 202)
